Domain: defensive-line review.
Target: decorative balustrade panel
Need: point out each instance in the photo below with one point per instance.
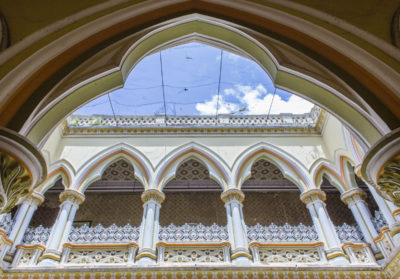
(359, 253)
(278, 254)
(98, 254)
(347, 233)
(379, 221)
(285, 233)
(113, 233)
(27, 255)
(6, 222)
(202, 253)
(193, 233)
(38, 235)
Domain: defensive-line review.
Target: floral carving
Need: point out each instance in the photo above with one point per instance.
(38, 235)
(14, 182)
(86, 256)
(197, 255)
(289, 255)
(388, 180)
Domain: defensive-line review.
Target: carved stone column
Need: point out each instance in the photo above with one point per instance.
(70, 201)
(24, 217)
(355, 200)
(22, 168)
(314, 199)
(149, 228)
(233, 199)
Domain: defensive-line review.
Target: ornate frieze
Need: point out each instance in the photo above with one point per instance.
(288, 253)
(193, 233)
(189, 253)
(285, 233)
(113, 233)
(308, 123)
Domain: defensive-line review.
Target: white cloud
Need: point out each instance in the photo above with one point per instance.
(256, 101)
(210, 107)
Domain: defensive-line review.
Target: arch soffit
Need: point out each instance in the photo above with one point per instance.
(95, 166)
(289, 166)
(59, 169)
(166, 169)
(283, 77)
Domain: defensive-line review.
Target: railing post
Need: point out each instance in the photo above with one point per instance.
(314, 199)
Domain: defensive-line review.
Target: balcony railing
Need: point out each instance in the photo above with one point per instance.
(285, 233)
(193, 233)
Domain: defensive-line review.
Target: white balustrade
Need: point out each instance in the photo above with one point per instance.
(347, 233)
(193, 233)
(98, 234)
(36, 235)
(285, 233)
(6, 222)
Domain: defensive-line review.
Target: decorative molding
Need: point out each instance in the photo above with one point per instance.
(100, 125)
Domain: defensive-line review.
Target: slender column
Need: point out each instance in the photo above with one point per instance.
(233, 199)
(70, 201)
(314, 199)
(23, 218)
(355, 200)
(149, 228)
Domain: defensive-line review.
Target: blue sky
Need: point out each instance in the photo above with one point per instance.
(191, 75)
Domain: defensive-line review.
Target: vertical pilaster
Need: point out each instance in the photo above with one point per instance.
(233, 199)
(70, 201)
(355, 200)
(23, 218)
(149, 228)
(314, 199)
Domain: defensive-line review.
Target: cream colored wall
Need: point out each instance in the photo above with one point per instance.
(306, 149)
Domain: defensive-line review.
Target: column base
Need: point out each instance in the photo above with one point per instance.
(337, 257)
(241, 256)
(50, 258)
(146, 257)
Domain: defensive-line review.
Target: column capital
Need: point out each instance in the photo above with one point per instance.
(232, 195)
(153, 195)
(35, 199)
(72, 196)
(313, 195)
(353, 196)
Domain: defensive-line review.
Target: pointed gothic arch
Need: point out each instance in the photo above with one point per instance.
(217, 168)
(94, 167)
(61, 169)
(289, 166)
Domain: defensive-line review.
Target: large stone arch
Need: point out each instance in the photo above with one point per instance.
(216, 166)
(289, 166)
(327, 89)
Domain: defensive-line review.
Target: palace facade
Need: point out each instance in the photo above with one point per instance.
(311, 195)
